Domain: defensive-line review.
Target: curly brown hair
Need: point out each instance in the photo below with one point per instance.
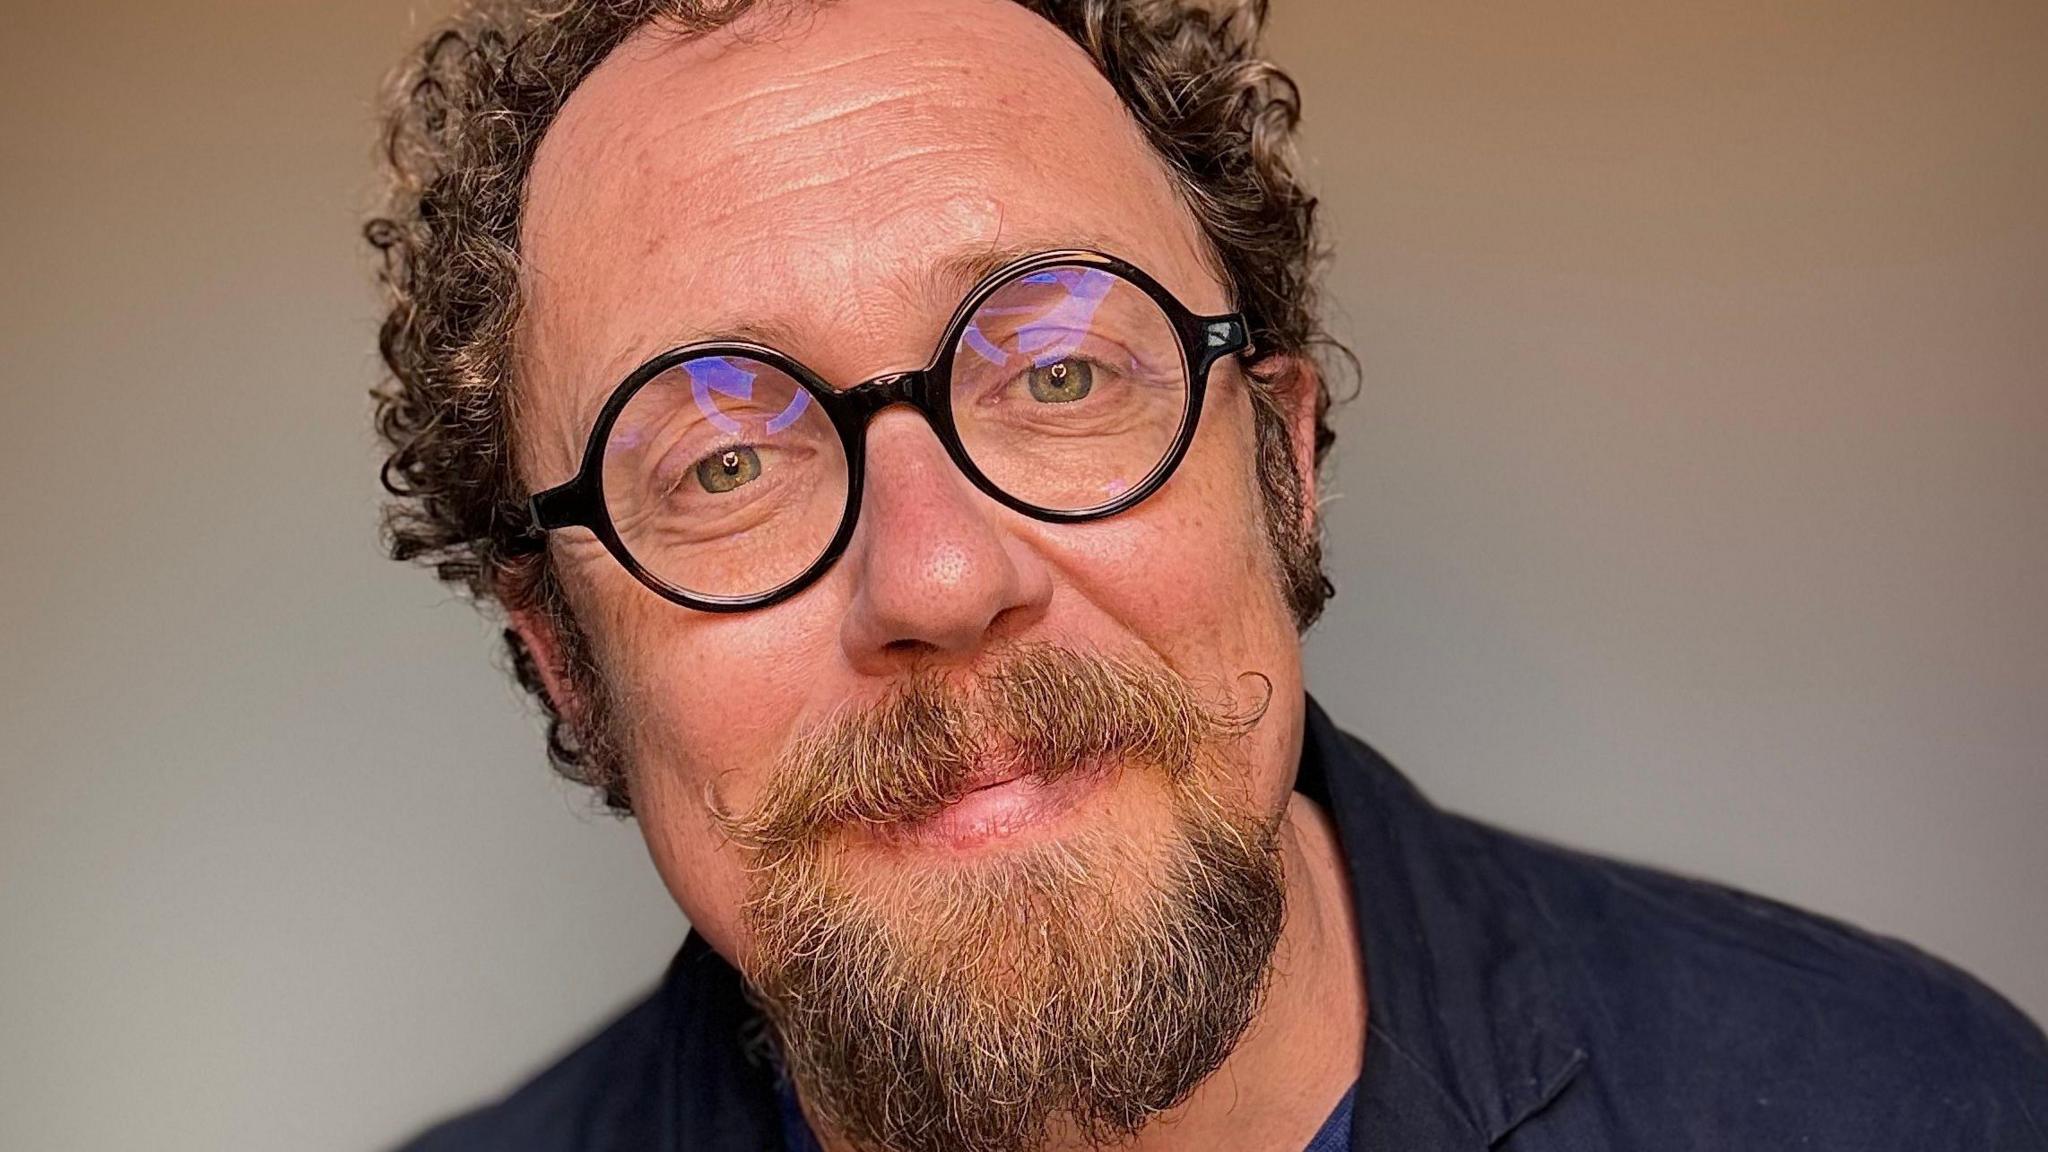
(463, 119)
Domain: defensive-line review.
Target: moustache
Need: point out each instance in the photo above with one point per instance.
(1035, 709)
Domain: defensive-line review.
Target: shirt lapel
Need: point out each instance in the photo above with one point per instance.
(1470, 1017)
(719, 1083)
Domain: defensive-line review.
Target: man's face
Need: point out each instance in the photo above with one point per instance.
(826, 178)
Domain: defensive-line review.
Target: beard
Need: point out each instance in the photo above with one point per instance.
(1068, 989)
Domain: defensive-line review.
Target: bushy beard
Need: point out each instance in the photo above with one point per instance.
(1069, 989)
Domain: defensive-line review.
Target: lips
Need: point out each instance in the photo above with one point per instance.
(1001, 803)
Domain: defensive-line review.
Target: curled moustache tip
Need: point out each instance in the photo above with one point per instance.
(1251, 717)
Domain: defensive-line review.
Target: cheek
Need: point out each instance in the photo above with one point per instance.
(1190, 574)
(706, 704)
(1193, 558)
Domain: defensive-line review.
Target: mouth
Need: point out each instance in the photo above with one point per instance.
(1001, 805)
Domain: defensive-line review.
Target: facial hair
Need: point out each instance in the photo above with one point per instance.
(1072, 988)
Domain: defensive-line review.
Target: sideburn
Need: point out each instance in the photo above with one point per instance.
(1293, 529)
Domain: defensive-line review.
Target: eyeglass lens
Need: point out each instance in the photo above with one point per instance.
(725, 477)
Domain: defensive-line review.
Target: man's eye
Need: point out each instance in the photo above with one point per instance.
(1061, 382)
(728, 468)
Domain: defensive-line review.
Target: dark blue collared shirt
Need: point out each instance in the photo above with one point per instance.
(1521, 997)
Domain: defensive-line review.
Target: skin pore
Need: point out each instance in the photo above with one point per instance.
(831, 180)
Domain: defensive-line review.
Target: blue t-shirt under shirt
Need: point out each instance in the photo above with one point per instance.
(1333, 1136)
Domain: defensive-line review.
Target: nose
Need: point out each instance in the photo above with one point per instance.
(935, 571)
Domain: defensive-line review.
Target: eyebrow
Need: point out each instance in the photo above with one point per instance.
(965, 267)
(947, 279)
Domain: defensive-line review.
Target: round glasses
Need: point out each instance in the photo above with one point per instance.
(727, 476)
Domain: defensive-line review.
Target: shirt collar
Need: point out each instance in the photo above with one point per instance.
(1470, 1009)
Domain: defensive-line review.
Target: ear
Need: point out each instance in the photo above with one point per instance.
(1296, 385)
(545, 655)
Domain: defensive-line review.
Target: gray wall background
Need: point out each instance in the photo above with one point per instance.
(1694, 508)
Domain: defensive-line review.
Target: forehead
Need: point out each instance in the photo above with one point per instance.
(828, 177)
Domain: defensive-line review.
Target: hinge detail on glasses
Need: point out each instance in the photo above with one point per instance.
(1224, 333)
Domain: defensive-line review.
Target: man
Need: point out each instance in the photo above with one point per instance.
(890, 428)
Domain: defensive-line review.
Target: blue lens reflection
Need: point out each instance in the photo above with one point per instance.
(726, 377)
(1053, 336)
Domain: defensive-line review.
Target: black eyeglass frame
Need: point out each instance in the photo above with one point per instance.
(1203, 341)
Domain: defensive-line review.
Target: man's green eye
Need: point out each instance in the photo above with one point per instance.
(1062, 381)
(727, 469)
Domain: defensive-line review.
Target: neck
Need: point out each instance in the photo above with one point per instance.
(1308, 1043)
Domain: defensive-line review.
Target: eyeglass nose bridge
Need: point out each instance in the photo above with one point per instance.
(869, 397)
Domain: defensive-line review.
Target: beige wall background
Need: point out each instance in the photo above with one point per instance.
(1694, 507)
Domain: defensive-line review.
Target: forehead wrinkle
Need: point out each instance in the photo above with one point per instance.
(864, 169)
(720, 44)
(799, 84)
(806, 115)
(840, 127)
(793, 104)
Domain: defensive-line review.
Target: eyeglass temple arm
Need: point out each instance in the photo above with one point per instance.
(563, 506)
(1222, 336)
